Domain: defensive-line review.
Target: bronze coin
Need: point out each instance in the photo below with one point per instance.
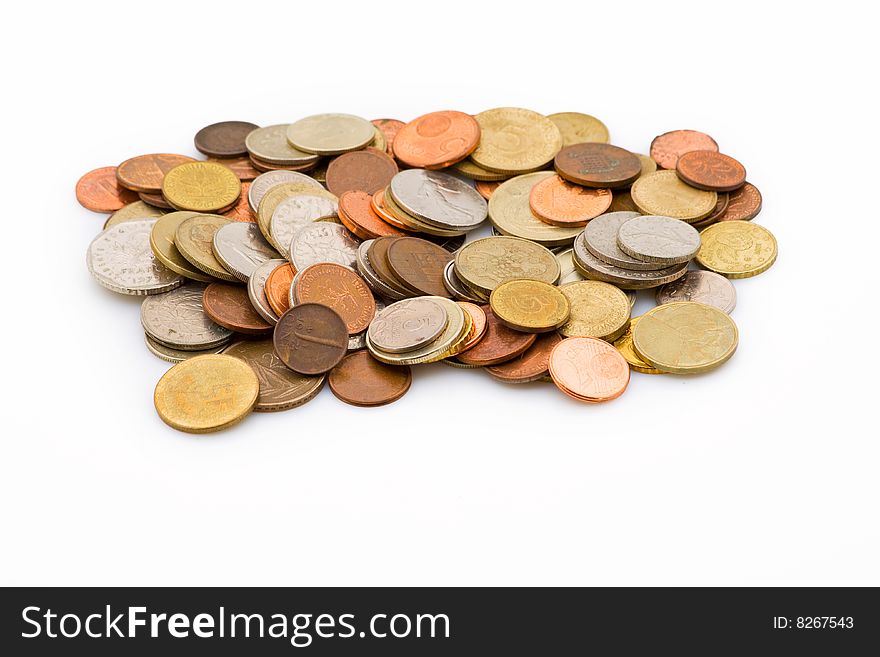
(156, 200)
(241, 211)
(230, 307)
(310, 338)
(357, 214)
(339, 288)
(486, 187)
(377, 254)
(499, 345)
(715, 172)
(277, 288)
(745, 204)
(361, 380)
(419, 265)
(531, 365)
(224, 139)
(437, 140)
(145, 173)
(377, 202)
(240, 166)
(389, 128)
(100, 191)
(479, 324)
(668, 147)
(594, 164)
(367, 171)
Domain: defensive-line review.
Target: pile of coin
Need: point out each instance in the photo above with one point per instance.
(336, 249)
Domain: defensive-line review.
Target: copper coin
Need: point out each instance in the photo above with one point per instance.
(485, 188)
(377, 254)
(230, 307)
(99, 191)
(144, 173)
(389, 128)
(240, 166)
(668, 147)
(377, 202)
(745, 204)
(224, 139)
(310, 338)
(419, 265)
(367, 171)
(479, 324)
(531, 365)
(711, 171)
(277, 288)
(156, 200)
(437, 140)
(589, 369)
(594, 164)
(241, 211)
(499, 345)
(560, 203)
(357, 214)
(339, 288)
(361, 380)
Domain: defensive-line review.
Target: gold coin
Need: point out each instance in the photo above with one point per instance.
(273, 198)
(206, 393)
(663, 193)
(577, 128)
(624, 345)
(330, 134)
(737, 249)
(132, 212)
(162, 244)
(201, 187)
(529, 306)
(515, 140)
(598, 310)
(470, 169)
(685, 337)
(194, 238)
(484, 264)
(511, 214)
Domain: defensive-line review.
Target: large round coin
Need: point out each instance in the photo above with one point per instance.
(270, 145)
(624, 344)
(224, 139)
(600, 238)
(450, 342)
(322, 241)
(437, 140)
(100, 191)
(661, 240)
(668, 147)
(361, 380)
(256, 288)
(194, 239)
(486, 263)
(530, 306)
(711, 170)
(598, 310)
(330, 134)
(419, 265)
(311, 338)
(339, 288)
(700, 286)
(737, 249)
(511, 213)
(515, 140)
(597, 165)
(240, 248)
(588, 369)
(178, 320)
(201, 187)
(663, 193)
(407, 325)
(560, 203)
(439, 199)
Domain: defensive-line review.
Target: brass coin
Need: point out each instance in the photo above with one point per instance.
(598, 310)
(470, 169)
(194, 238)
(530, 306)
(511, 214)
(162, 244)
(270, 145)
(737, 249)
(144, 173)
(486, 263)
(201, 187)
(330, 134)
(515, 140)
(577, 128)
(624, 344)
(664, 193)
(133, 211)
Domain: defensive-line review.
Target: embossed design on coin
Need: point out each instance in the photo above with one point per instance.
(162, 244)
(194, 238)
(240, 248)
(311, 338)
(419, 265)
(711, 170)
(486, 263)
(356, 213)
(361, 380)
(439, 199)
(339, 288)
(201, 187)
(588, 369)
(597, 165)
(560, 203)
(598, 310)
(668, 147)
(701, 286)
(515, 140)
(100, 191)
(270, 145)
(224, 139)
(437, 140)
(661, 240)
(178, 320)
(266, 181)
(511, 214)
(366, 171)
(295, 213)
(737, 249)
(663, 193)
(330, 134)
(450, 342)
(529, 306)
(577, 128)
(600, 238)
(629, 279)
(323, 242)
(144, 173)
(407, 325)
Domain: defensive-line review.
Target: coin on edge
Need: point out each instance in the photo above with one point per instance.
(256, 288)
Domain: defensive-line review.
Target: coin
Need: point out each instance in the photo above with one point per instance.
(99, 191)
(389, 128)
(266, 181)
(577, 128)
(438, 199)
(377, 203)
(511, 214)
(144, 173)
(377, 254)
(624, 344)
(457, 289)
(685, 337)
(479, 324)
(568, 273)
(560, 203)
(419, 265)
(515, 140)
(710, 170)
(277, 288)
(201, 187)
(598, 310)
(450, 342)
(720, 209)
(240, 248)
(623, 202)
(270, 145)
(648, 165)
(407, 325)
(256, 289)
(588, 369)
(600, 239)
(162, 244)
(177, 319)
(206, 393)
(486, 263)
(361, 380)
(661, 240)
(531, 365)
(663, 193)
(529, 306)
(366, 171)
(629, 279)
(668, 147)
(280, 387)
(156, 200)
(737, 249)
(240, 166)
(744, 205)
(120, 259)
(133, 211)
(230, 307)
(499, 345)
(322, 242)
(171, 355)
(311, 338)
(597, 165)
(224, 139)
(485, 188)
(330, 134)
(241, 211)
(437, 140)
(194, 239)
(372, 278)
(296, 212)
(357, 214)
(409, 221)
(470, 169)
(701, 286)
(339, 288)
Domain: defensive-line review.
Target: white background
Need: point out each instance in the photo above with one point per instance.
(763, 472)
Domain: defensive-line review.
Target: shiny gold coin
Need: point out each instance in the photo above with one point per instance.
(162, 244)
(470, 169)
(194, 238)
(598, 310)
(577, 128)
(133, 211)
(511, 214)
(272, 199)
(529, 306)
(737, 249)
(685, 337)
(663, 193)
(484, 264)
(201, 187)
(515, 140)
(624, 345)
(206, 393)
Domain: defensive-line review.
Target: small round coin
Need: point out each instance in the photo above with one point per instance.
(664, 193)
(499, 345)
(340, 288)
(240, 248)
(660, 240)
(589, 369)
(598, 310)
(407, 325)
(577, 128)
(561, 203)
(668, 147)
(100, 191)
(201, 187)
(361, 380)
(311, 338)
(710, 170)
(294, 212)
(322, 241)
(230, 307)
(437, 140)
(530, 306)
(701, 286)
(511, 213)
(737, 249)
(744, 204)
(224, 139)
(367, 171)
(145, 173)
(594, 164)
(531, 365)
(600, 238)
(330, 134)
(515, 140)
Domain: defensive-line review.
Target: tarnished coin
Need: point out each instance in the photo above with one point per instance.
(744, 205)
(597, 165)
(144, 173)
(330, 134)
(162, 244)
(366, 171)
(194, 239)
(224, 139)
(135, 210)
(270, 145)
(568, 273)
(531, 365)
(529, 306)
(322, 242)
(486, 263)
(577, 128)
(515, 140)
(437, 140)
(256, 289)
(295, 213)
(668, 147)
(588, 369)
(100, 191)
(230, 307)
(339, 288)
(511, 214)
(407, 325)
(378, 260)
(470, 169)
(701, 286)
(171, 355)
(459, 290)
(356, 213)
(361, 380)
(450, 342)
(598, 310)
(389, 128)
(280, 387)
(663, 193)
(737, 249)
(479, 324)
(685, 337)
(266, 181)
(311, 338)
(277, 288)
(121, 260)
(499, 345)
(710, 170)
(419, 265)
(201, 187)
(240, 166)
(206, 393)
(662, 240)
(560, 203)
(240, 248)
(629, 279)
(438, 199)
(600, 238)
(178, 320)
(624, 344)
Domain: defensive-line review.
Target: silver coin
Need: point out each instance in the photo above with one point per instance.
(439, 199)
(456, 287)
(121, 260)
(407, 325)
(241, 248)
(297, 211)
(701, 286)
(330, 134)
(376, 284)
(178, 320)
(568, 273)
(662, 240)
(323, 241)
(601, 240)
(270, 145)
(629, 279)
(266, 181)
(178, 355)
(257, 290)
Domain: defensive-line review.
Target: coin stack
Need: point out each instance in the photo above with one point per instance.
(340, 250)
